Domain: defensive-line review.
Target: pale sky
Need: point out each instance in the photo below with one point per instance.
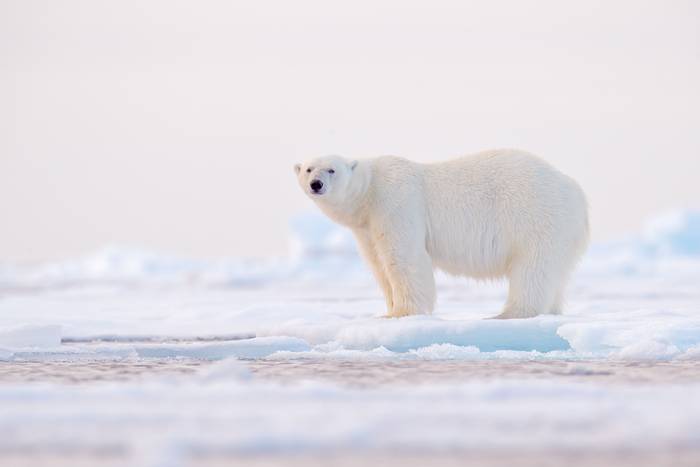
(174, 125)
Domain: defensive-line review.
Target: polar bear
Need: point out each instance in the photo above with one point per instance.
(494, 214)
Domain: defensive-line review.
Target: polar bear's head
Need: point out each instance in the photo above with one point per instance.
(326, 178)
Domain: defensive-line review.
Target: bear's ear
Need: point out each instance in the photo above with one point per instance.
(297, 168)
(353, 164)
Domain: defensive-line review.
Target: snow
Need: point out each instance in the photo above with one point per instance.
(637, 298)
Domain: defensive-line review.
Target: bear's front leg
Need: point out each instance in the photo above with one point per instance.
(369, 252)
(409, 270)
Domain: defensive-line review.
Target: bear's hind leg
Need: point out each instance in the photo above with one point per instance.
(531, 290)
(558, 304)
(562, 280)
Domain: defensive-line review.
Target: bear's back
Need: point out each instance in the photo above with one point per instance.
(483, 208)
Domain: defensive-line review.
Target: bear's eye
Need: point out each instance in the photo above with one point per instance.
(308, 171)
(331, 171)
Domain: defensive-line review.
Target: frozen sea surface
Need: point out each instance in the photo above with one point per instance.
(128, 357)
(172, 412)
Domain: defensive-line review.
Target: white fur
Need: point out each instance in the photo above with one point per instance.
(502, 213)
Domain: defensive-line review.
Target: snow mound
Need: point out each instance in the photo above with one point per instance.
(320, 249)
(125, 265)
(676, 233)
(30, 337)
(637, 336)
(314, 236)
(410, 333)
(669, 246)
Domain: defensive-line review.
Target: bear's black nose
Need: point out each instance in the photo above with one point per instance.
(316, 185)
